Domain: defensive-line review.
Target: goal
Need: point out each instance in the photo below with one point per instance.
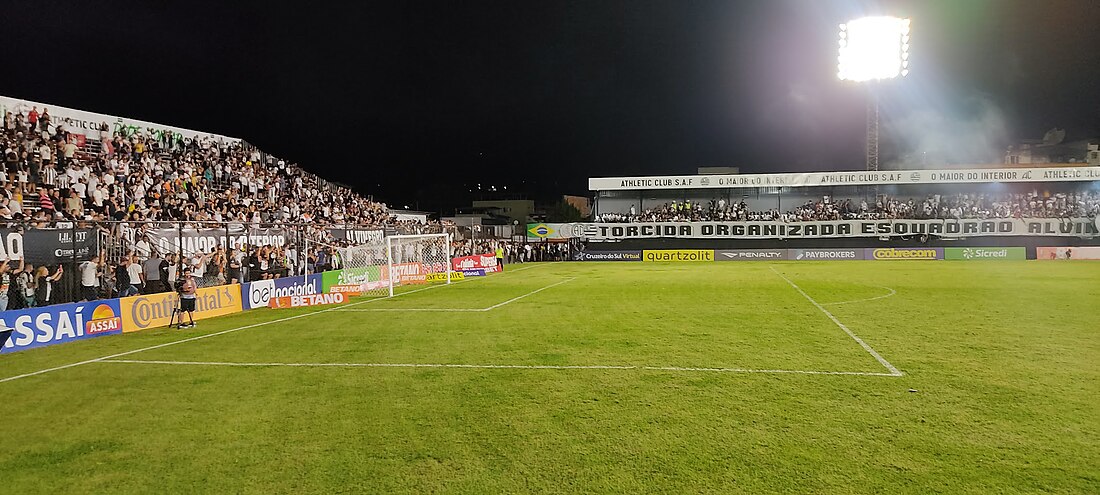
(380, 266)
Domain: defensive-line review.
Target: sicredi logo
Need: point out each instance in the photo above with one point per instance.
(978, 253)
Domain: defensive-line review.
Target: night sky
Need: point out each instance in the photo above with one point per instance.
(417, 102)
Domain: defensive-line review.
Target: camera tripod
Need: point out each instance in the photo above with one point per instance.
(177, 317)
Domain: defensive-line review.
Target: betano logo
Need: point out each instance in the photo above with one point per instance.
(541, 230)
(103, 320)
(904, 254)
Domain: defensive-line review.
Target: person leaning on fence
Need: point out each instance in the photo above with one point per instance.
(187, 288)
(89, 279)
(7, 282)
(45, 285)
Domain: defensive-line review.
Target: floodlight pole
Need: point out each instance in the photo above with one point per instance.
(872, 127)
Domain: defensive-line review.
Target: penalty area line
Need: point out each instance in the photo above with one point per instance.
(878, 357)
(460, 310)
(231, 330)
(495, 367)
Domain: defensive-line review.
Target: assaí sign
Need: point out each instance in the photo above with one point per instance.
(57, 324)
(155, 310)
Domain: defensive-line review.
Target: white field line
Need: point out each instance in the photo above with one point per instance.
(494, 367)
(884, 296)
(223, 332)
(449, 310)
(893, 371)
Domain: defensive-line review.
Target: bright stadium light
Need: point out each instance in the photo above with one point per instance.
(873, 48)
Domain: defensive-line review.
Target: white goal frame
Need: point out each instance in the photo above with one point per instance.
(389, 253)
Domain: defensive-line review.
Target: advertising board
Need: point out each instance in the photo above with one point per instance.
(48, 246)
(607, 256)
(257, 294)
(308, 300)
(750, 254)
(155, 310)
(824, 254)
(903, 253)
(487, 262)
(1068, 253)
(688, 255)
(985, 253)
(60, 323)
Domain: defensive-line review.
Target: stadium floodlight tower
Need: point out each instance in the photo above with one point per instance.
(873, 49)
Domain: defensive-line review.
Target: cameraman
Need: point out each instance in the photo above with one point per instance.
(186, 288)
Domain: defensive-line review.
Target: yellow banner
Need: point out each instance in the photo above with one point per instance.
(678, 255)
(155, 310)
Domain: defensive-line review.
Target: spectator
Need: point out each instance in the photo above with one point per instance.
(45, 285)
(89, 279)
(155, 272)
(7, 281)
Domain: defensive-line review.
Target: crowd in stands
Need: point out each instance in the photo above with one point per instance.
(1084, 204)
(47, 177)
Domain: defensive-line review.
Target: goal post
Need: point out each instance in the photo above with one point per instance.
(378, 267)
(418, 259)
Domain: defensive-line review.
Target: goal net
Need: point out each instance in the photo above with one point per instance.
(377, 268)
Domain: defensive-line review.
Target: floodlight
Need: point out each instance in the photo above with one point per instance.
(873, 48)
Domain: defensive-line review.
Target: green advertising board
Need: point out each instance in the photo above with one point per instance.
(985, 253)
(349, 276)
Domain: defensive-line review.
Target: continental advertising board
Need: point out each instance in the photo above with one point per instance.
(155, 310)
(60, 323)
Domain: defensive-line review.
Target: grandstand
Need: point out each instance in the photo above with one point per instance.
(338, 336)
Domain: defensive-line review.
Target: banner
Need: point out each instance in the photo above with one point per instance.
(750, 254)
(155, 310)
(903, 254)
(351, 276)
(257, 294)
(167, 240)
(607, 256)
(824, 254)
(985, 253)
(60, 323)
(356, 236)
(487, 262)
(48, 246)
(308, 300)
(88, 123)
(536, 231)
(1076, 227)
(852, 178)
(1068, 253)
(691, 255)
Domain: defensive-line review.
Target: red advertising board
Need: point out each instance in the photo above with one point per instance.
(487, 262)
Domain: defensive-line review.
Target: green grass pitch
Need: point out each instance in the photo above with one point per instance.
(602, 378)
